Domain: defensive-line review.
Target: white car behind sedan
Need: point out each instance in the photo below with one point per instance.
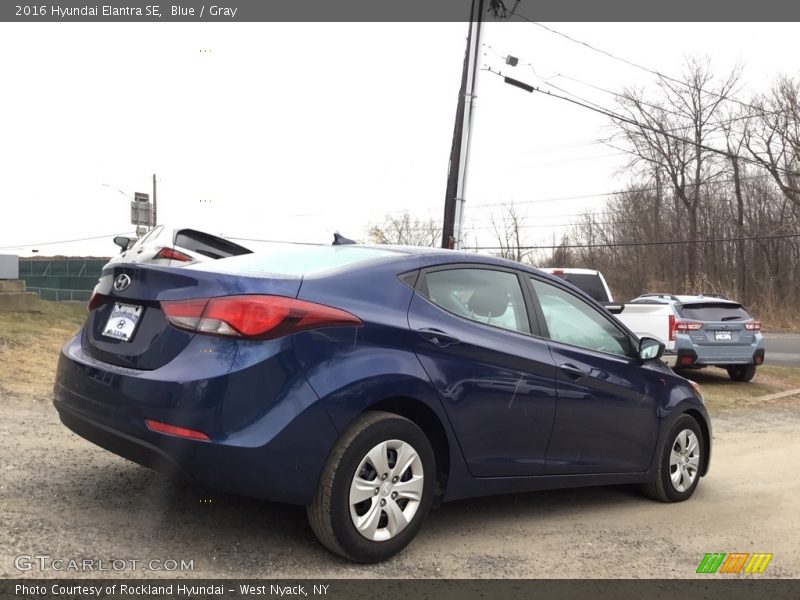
(175, 246)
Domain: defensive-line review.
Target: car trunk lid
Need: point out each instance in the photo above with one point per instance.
(127, 326)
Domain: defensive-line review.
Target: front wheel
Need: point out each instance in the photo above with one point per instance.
(741, 372)
(375, 489)
(679, 463)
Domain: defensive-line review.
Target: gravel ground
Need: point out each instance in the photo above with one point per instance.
(63, 497)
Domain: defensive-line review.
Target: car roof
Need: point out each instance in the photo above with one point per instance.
(410, 257)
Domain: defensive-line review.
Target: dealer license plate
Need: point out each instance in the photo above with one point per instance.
(722, 336)
(122, 322)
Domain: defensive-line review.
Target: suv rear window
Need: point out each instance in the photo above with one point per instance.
(711, 311)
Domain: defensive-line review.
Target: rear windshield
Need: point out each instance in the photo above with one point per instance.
(589, 283)
(297, 260)
(710, 311)
(207, 244)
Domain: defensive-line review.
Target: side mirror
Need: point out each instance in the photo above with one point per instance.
(650, 349)
(613, 308)
(123, 242)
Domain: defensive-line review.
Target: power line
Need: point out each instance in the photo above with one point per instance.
(98, 237)
(629, 244)
(617, 193)
(612, 115)
(639, 66)
(546, 81)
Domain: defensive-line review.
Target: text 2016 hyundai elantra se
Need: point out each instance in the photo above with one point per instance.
(367, 383)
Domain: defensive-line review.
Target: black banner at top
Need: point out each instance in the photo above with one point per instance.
(239, 11)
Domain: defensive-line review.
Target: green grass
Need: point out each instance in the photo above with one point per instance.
(720, 391)
(30, 342)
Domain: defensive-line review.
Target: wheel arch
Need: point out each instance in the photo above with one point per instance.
(426, 419)
(704, 428)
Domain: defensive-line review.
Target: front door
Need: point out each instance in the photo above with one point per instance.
(606, 414)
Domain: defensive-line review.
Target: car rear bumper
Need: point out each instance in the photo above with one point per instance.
(276, 451)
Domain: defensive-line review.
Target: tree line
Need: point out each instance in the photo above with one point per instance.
(712, 203)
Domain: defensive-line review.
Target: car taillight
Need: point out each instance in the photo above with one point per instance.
(183, 432)
(672, 328)
(95, 301)
(253, 316)
(753, 326)
(172, 254)
(688, 326)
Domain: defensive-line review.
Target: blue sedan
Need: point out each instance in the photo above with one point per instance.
(369, 383)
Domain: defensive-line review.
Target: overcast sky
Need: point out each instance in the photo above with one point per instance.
(292, 131)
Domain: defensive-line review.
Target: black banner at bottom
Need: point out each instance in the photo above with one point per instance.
(711, 588)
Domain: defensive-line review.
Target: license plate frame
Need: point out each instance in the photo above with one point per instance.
(723, 336)
(123, 321)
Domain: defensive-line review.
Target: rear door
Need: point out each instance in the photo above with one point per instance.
(496, 381)
(606, 414)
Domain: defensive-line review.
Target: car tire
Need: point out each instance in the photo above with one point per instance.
(741, 372)
(680, 460)
(375, 489)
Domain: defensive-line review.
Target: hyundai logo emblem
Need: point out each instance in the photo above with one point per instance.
(122, 282)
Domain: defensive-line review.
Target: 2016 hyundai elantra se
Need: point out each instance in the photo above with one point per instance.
(367, 383)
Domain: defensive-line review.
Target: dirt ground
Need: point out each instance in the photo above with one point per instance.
(63, 497)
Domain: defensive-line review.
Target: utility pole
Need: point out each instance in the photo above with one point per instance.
(155, 203)
(462, 134)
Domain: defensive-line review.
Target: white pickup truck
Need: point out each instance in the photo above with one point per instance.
(644, 317)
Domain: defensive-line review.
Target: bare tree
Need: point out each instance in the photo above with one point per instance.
(773, 139)
(671, 135)
(404, 231)
(508, 231)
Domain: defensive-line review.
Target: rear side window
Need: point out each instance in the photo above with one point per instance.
(482, 295)
(713, 311)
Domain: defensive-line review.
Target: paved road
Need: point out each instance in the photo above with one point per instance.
(782, 349)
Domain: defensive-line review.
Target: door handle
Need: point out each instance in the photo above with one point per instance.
(572, 371)
(438, 337)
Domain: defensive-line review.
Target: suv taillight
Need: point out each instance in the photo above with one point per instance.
(688, 326)
(753, 326)
(255, 317)
(672, 328)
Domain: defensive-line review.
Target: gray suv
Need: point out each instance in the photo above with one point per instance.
(712, 330)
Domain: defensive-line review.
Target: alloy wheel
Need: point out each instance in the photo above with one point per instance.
(684, 460)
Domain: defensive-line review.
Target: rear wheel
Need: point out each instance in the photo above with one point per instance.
(679, 463)
(375, 490)
(741, 372)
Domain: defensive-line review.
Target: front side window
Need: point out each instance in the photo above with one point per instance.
(572, 321)
(482, 295)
